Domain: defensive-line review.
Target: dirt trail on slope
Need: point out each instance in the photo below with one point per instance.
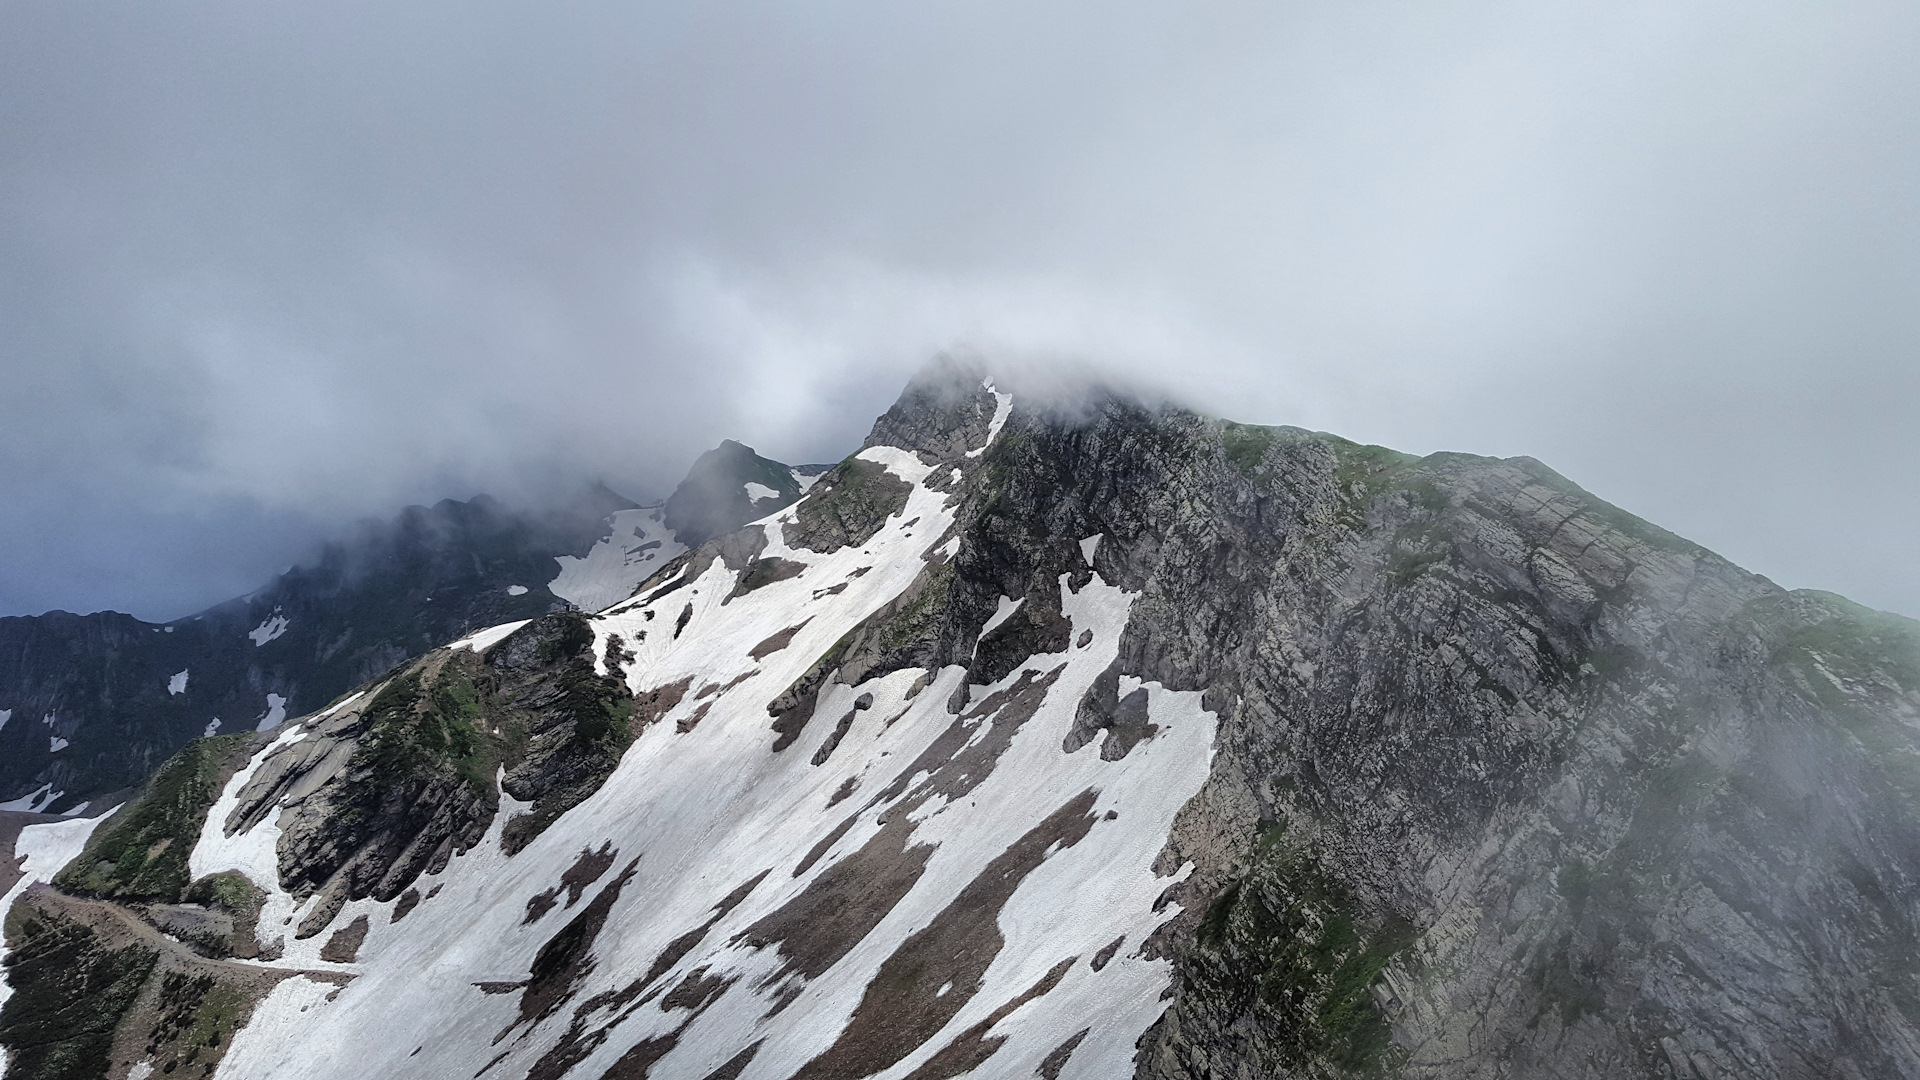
(189, 1007)
(119, 927)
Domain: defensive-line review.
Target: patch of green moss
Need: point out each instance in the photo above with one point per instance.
(70, 991)
(1428, 494)
(425, 722)
(848, 505)
(598, 708)
(198, 1016)
(1365, 464)
(141, 853)
(1245, 445)
(1851, 661)
(1855, 643)
(1287, 949)
(915, 620)
(595, 713)
(1360, 473)
(229, 890)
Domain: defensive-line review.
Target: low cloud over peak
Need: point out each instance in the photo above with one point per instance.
(272, 269)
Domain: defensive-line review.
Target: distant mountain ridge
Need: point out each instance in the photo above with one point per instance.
(90, 705)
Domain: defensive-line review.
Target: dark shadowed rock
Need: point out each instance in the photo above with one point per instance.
(727, 487)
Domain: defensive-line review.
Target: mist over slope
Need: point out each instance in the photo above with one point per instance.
(1056, 735)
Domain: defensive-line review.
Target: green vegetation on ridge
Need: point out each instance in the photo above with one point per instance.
(142, 852)
(70, 992)
(1286, 947)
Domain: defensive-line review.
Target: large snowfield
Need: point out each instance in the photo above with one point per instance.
(710, 828)
(639, 544)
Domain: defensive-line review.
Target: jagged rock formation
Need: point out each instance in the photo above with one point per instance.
(1095, 737)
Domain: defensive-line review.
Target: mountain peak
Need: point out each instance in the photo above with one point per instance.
(947, 410)
(727, 487)
(1072, 742)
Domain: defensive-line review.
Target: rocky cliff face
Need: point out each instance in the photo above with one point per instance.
(1080, 739)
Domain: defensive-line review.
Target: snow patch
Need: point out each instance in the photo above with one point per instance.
(58, 744)
(177, 684)
(262, 1048)
(1002, 614)
(479, 641)
(516, 590)
(275, 625)
(760, 492)
(34, 801)
(276, 712)
(45, 850)
(344, 702)
(806, 480)
(5, 715)
(639, 544)
(1002, 408)
(901, 463)
(253, 853)
(704, 805)
(213, 725)
(1090, 545)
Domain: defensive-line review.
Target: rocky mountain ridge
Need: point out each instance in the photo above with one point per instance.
(90, 705)
(1062, 739)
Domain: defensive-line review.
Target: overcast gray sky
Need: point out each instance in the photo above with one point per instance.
(265, 268)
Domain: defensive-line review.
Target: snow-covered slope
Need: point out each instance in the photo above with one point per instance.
(982, 859)
(638, 545)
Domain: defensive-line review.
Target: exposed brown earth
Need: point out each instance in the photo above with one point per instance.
(938, 969)
(843, 904)
(971, 1048)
